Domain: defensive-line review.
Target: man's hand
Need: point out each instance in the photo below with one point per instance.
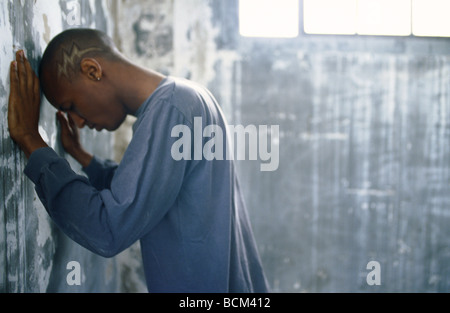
(70, 140)
(24, 106)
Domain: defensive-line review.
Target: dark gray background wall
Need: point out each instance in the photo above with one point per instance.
(364, 158)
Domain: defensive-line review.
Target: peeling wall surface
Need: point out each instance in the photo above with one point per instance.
(364, 169)
(364, 165)
(34, 254)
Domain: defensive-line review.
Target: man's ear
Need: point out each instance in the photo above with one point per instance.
(91, 69)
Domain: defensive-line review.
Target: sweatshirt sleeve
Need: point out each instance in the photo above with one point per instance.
(143, 189)
(101, 172)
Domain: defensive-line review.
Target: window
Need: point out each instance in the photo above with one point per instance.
(384, 17)
(377, 17)
(280, 18)
(330, 17)
(431, 18)
(269, 18)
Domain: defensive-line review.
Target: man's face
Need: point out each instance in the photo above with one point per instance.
(89, 103)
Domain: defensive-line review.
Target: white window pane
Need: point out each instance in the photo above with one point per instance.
(384, 17)
(269, 18)
(330, 17)
(431, 18)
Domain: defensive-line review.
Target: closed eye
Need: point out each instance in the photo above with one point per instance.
(68, 108)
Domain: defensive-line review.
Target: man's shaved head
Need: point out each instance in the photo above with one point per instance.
(62, 58)
(80, 72)
(83, 74)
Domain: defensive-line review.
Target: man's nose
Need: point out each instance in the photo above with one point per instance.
(79, 121)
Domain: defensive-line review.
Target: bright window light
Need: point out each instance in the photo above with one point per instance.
(330, 17)
(269, 18)
(431, 18)
(384, 17)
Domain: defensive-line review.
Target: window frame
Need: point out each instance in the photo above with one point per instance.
(303, 33)
(411, 35)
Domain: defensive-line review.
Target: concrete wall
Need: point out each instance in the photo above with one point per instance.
(33, 253)
(364, 168)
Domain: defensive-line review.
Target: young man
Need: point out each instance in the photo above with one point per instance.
(188, 214)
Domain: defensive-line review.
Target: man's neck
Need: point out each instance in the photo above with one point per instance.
(135, 85)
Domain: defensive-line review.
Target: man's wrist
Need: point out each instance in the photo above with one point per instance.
(82, 157)
(30, 143)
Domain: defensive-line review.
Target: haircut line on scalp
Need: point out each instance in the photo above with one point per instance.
(69, 60)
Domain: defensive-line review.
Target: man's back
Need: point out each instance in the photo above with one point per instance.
(204, 242)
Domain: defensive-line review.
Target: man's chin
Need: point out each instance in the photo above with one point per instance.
(111, 128)
(115, 127)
